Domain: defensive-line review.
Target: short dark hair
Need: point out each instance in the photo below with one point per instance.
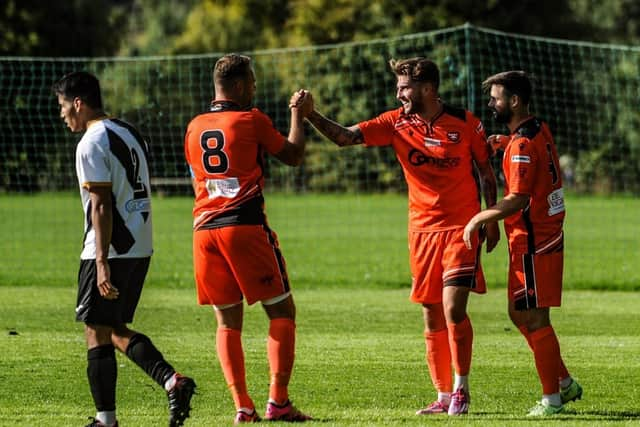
(418, 69)
(80, 84)
(230, 68)
(514, 83)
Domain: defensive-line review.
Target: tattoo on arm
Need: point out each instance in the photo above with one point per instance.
(488, 182)
(335, 132)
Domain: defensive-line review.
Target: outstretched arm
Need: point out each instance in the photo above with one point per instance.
(338, 134)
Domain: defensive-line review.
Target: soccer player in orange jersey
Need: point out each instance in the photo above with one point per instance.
(533, 211)
(438, 147)
(236, 254)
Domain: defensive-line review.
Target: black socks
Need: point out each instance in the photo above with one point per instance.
(144, 354)
(102, 373)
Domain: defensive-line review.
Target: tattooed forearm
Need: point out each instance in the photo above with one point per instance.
(335, 132)
(488, 182)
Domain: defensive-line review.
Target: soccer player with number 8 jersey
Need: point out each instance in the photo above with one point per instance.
(236, 254)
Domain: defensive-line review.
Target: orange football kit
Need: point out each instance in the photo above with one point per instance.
(536, 241)
(236, 254)
(437, 160)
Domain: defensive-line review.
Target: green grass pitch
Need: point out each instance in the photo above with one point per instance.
(360, 357)
(327, 240)
(360, 360)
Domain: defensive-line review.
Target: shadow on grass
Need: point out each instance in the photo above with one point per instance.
(567, 415)
(609, 415)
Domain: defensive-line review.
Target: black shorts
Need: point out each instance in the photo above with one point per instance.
(127, 275)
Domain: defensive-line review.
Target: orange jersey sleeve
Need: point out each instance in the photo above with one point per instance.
(437, 160)
(225, 152)
(531, 167)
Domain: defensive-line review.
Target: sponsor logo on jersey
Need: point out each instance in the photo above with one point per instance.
(520, 159)
(453, 136)
(432, 142)
(556, 202)
(137, 205)
(227, 188)
(418, 158)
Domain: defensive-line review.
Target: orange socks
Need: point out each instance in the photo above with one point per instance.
(461, 339)
(439, 359)
(563, 371)
(281, 353)
(546, 351)
(231, 356)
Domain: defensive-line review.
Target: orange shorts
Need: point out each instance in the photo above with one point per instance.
(236, 262)
(536, 280)
(439, 259)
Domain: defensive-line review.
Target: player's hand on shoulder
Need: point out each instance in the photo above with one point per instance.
(497, 142)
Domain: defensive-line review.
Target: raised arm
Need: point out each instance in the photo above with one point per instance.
(292, 153)
(335, 132)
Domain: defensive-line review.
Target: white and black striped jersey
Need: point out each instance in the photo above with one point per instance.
(112, 152)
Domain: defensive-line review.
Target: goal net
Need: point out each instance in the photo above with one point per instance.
(588, 93)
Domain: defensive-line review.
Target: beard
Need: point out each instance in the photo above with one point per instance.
(415, 106)
(502, 117)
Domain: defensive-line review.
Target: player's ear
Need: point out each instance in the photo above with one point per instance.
(515, 101)
(77, 103)
(427, 87)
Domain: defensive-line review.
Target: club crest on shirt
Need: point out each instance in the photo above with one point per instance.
(432, 142)
(453, 136)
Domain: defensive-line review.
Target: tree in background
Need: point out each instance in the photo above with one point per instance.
(159, 27)
(61, 28)
(161, 94)
(153, 25)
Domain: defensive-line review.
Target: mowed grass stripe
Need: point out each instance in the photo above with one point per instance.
(355, 241)
(360, 359)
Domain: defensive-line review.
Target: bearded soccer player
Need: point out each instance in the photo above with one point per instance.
(438, 147)
(236, 254)
(533, 211)
(112, 169)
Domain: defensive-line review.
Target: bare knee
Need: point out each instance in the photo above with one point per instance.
(97, 335)
(230, 317)
(120, 337)
(434, 318)
(280, 309)
(532, 319)
(455, 299)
